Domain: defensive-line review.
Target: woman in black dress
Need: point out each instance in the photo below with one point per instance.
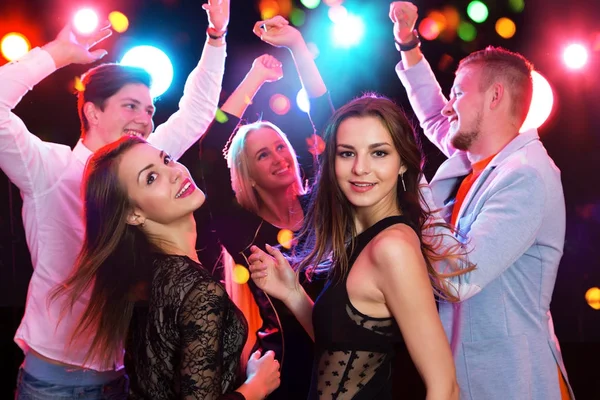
(367, 216)
(258, 191)
(183, 336)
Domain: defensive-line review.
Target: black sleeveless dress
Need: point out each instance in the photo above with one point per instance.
(354, 352)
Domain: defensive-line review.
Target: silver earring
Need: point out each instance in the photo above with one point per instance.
(402, 179)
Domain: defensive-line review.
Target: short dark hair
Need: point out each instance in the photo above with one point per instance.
(102, 82)
(512, 68)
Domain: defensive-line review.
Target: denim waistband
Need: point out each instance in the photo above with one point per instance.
(67, 375)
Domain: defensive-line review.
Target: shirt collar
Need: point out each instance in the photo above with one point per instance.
(81, 152)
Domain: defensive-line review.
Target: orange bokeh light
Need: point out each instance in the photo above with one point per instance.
(14, 45)
(429, 29)
(506, 28)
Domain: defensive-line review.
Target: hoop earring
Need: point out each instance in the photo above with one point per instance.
(402, 179)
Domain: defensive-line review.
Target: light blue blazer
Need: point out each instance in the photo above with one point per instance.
(513, 223)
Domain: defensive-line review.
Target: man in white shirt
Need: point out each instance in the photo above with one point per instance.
(116, 102)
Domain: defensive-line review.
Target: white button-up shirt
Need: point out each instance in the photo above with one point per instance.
(49, 176)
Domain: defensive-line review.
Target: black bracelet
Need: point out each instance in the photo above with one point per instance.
(210, 35)
(416, 42)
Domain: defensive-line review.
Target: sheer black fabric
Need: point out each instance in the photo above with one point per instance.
(185, 341)
(237, 229)
(354, 352)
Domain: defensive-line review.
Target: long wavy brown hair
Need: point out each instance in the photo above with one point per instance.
(114, 260)
(329, 224)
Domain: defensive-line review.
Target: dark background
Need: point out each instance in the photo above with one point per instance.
(571, 135)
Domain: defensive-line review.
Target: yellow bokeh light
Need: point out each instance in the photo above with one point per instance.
(118, 21)
(14, 45)
(592, 296)
(79, 86)
(285, 238)
(506, 28)
(240, 274)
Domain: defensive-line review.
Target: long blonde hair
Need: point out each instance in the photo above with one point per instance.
(237, 161)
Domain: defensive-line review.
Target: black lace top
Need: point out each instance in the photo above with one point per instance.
(354, 351)
(237, 229)
(186, 340)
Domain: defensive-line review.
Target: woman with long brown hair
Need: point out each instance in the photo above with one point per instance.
(366, 220)
(183, 336)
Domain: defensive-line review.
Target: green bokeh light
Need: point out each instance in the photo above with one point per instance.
(477, 11)
(466, 31)
(516, 5)
(297, 17)
(310, 3)
(220, 116)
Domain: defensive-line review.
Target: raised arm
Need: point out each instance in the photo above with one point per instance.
(401, 275)
(424, 92)
(216, 175)
(30, 163)
(265, 68)
(277, 32)
(202, 88)
(202, 327)
(273, 274)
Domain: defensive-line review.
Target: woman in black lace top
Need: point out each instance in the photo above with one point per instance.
(366, 215)
(183, 334)
(268, 195)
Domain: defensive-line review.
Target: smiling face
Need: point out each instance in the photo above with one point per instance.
(160, 189)
(465, 108)
(127, 112)
(367, 165)
(270, 162)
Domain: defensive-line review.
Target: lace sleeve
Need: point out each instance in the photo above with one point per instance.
(201, 322)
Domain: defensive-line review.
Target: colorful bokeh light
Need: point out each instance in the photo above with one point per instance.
(592, 296)
(477, 11)
(279, 104)
(310, 3)
(14, 45)
(240, 274)
(506, 28)
(118, 21)
(575, 56)
(466, 31)
(85, 21)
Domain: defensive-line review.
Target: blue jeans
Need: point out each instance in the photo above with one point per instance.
(31, 388)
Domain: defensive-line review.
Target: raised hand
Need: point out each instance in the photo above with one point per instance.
(277, 32)
(404, 16)
(267, 68)
(70, 47)
(218, 14)
(272, 273)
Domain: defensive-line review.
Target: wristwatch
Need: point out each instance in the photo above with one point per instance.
(415, 42)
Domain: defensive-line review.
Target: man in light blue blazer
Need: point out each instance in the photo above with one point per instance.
(504, 194)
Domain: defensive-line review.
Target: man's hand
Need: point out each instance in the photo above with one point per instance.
(70, 47)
